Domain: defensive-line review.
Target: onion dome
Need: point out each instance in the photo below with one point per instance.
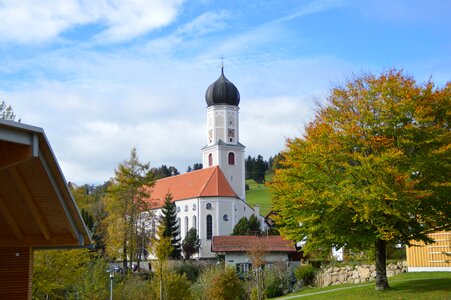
(222, 91)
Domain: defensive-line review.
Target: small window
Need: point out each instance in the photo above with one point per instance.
(209, 227)
(178, 209)
(210, 160)
(226, 217)
(231, 158)
(194, 222)
(194, 207)
(186, 207)
(208, 206)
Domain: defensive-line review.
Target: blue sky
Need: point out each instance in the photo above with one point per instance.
(103, 76)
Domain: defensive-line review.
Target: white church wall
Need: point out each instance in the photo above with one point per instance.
(233, 258)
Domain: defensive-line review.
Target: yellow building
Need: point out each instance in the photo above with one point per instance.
(433, 257)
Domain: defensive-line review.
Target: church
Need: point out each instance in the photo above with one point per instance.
(212, 200)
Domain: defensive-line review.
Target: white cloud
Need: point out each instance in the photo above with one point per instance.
(29, 21)
(205, 23)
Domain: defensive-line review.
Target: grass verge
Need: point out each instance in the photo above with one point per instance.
(421, 285)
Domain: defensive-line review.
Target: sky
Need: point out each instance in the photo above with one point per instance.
(101, 77)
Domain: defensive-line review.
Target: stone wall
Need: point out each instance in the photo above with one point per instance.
(357, 274)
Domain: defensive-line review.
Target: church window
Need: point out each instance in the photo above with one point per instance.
(178, 209)
(194, 222)
(186, 207)
(231, 158)
(194, 207)
(208, 206)
(209, 227)
(179, 223)
(186, 225)
(210, 160)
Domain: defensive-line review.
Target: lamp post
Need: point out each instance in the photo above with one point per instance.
(111, 271)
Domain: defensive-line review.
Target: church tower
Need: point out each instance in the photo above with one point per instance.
(223, 148)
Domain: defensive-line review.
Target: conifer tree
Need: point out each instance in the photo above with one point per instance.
(172, 227)
(191, 243)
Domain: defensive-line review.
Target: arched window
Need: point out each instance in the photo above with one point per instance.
(231, 158)
(194, 222)
(186, 225)
(210, 160)
(209, 227)
(179, 223)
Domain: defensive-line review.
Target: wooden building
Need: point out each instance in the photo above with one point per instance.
(36, 207)
(433, 257)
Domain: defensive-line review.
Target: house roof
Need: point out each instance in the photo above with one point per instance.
(242, 243)
(208, 182)
(36, 206)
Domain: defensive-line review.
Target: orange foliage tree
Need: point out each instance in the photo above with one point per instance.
(372, 167)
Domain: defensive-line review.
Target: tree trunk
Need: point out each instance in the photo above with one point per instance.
(381, 266)
(124, 256)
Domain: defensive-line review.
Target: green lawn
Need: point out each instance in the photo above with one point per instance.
(258, 194)
(423, 285)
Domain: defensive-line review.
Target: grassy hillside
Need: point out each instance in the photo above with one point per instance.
(258, 194)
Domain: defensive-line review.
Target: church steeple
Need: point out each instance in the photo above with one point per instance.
(223, 147)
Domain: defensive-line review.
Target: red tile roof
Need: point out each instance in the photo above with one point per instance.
(242, 243)
(208, 182)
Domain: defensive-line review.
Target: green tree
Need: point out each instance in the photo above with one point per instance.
(171, 225)
(191, 243)
(126, 207)
(372, 167)
(89, 200)
(6, 112)
(245, 226)
(164, 171)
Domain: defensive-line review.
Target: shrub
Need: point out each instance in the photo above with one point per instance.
(226, 286)
(133, 287)
(176, 287)
(305, 273)
(273, 287)
(190, 270)
(204, 281)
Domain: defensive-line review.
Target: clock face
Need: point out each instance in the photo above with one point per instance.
(231, 133)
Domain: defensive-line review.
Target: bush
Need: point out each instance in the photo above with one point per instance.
(204, 281)
(305, 273)
(190, 270)
(175, 287)
(226, 286)
(273, 288)
(133, 287)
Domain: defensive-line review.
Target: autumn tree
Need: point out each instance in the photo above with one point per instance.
(126, 207)
(171, 225)
(161, 249)
(56, 271)
(372, 167)
(257, 253)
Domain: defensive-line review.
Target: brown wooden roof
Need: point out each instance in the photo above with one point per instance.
(243, 243)
(209, 182)
(36, 207)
